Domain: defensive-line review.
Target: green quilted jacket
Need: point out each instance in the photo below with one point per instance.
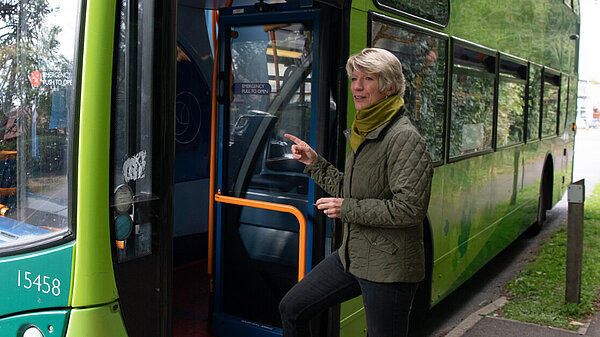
(386, 186)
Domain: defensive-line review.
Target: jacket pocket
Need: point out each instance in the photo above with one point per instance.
(379, 241)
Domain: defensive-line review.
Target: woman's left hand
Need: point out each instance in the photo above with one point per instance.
(332, 207)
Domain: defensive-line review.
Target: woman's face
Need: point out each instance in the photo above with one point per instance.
(365, 89)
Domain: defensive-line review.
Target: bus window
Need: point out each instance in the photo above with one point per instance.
(511, 103)
(550, 103)
(572, 105)
(131, 127)
(428, 11)
(37, 104)
(564, 99)
(423, 58)
(534, 105)
(472, 107)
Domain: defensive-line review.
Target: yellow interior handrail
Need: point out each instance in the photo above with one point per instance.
(278, 208)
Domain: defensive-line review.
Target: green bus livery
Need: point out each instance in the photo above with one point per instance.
(147, 188)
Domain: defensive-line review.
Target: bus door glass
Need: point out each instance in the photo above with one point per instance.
(270, 73)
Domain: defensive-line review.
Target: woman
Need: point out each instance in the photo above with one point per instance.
(381, 198)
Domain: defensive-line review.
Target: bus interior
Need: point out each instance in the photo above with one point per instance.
(273, 79)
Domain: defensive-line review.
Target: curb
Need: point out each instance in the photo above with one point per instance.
(478, 315)
(581, 331)
(475, 317)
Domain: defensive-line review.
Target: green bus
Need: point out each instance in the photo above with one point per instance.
(147, 188)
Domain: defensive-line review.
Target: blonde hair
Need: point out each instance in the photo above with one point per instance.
(382, 62)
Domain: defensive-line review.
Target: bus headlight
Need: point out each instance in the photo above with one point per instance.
(32, 331)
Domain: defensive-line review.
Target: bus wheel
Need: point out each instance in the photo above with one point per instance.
(544, 202)
(541, 218)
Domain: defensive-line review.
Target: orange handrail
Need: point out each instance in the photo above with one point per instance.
(278, 208)
(8, 155)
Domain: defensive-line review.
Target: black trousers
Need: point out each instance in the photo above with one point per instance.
(387, 305)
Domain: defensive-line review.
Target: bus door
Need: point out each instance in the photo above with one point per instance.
(268, 65)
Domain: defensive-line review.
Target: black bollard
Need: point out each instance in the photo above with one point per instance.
(576, 196)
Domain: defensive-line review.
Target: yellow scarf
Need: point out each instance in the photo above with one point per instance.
(373, 116)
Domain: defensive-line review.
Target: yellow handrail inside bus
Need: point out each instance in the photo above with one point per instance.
(278, 208)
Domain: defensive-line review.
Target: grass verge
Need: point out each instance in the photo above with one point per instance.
(537, 294)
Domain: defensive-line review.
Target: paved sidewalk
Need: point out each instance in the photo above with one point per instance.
(480, 325)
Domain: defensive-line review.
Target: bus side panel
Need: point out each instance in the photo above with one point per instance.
(493, 201)
(36, 281)
(353, 322)
(49, 323)
(464, 216)
(97, 322)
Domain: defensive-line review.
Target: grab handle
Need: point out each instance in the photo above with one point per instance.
(278, 208)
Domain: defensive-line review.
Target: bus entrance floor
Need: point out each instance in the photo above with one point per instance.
(190, 300)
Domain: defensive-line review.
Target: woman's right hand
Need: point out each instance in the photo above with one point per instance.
(302, 151)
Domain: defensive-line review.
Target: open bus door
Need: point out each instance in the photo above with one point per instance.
(268, 62)
(268, 65)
